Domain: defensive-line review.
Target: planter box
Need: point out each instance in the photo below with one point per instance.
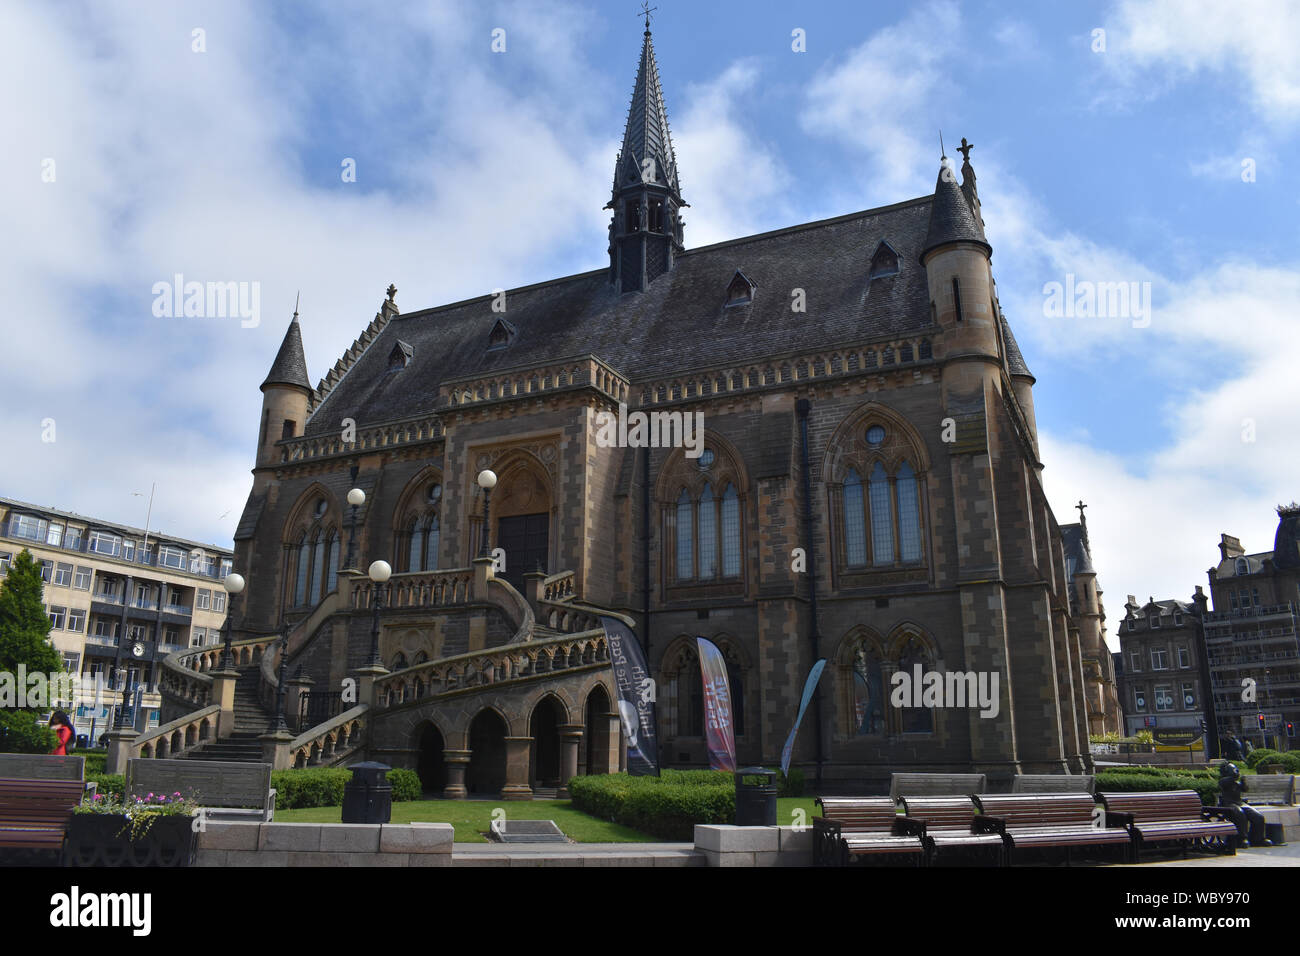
(96, 839)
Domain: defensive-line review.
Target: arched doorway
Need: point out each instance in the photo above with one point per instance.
(544, 726)
(521, 511)
(486, 773)
(430, 766)
(596, 730)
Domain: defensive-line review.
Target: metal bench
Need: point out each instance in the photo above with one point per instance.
(1270, 789)
(864, 827)
(225, 789)
(1171, 816)
(950, 826)
(1052, 783)
(1063, 821)
(936, 784)
(34, 814)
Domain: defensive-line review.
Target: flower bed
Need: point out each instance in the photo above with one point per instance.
(156, 830)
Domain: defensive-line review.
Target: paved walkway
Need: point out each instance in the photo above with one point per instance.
(576, 854)
(1288, 855)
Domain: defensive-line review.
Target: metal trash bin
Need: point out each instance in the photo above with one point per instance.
(755, 797)
(368, 796)
(83, 741)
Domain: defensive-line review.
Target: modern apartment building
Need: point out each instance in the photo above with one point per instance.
(107, 582)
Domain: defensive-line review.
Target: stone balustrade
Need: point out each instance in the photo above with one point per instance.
(175, 738)
(580, 371)
(330, 742)
(558, 587)
(573, 617)
(404, 432)
(417, 589)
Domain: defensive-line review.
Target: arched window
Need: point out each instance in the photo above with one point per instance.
(909, 515)
(730, 533)
(415, 557)
(318, 564)
(300, 584)
(332, 574)
(685, 537)
(915, 720)
(431, 545)
(690, 695)
(868, 691)
(1242, 566)
(855, 523)
(882, 524)
(708, 535)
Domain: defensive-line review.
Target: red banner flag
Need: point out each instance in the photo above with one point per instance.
(718, 727)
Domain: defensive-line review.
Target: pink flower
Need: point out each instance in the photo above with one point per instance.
(99, 796)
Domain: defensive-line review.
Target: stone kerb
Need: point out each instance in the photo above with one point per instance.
(325, 844)
(726, 845)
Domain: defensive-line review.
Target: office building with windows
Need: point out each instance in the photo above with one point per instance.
(108, 582)
(1160, 684)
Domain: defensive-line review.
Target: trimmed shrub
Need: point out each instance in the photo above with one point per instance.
(309, 787)
(95, 759)
(108, 783)
(668, 807)
(1261, 755)
(406, 785)
(1207, 788)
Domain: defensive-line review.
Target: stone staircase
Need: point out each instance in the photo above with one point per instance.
(251, 721)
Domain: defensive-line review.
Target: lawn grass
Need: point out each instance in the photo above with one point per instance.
(471, 818)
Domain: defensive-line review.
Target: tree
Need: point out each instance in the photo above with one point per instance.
(24, 640)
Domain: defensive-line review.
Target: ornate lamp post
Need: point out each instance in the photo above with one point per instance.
(379, 573)
(234, 584)
(487, 480)
(356, 498)
(278, 723)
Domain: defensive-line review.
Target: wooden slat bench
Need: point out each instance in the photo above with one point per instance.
(44, 767)
(1171, 816)
(1052, 783)
(34, 814)
(1064, 821)
(863, 827)
(1269, 789)
(936, 784)
(226, 789)
(950, 826)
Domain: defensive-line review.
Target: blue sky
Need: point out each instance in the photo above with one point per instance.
(478, 170)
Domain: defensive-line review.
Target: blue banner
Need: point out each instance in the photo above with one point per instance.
(809, 686)
(718, 728)
(636, 698)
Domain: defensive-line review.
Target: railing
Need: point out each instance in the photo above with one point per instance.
(509, 662)
(573, 617)
(418, 589)
(331, 741)
(1269, 610)
(567, 373)
(178, 609)
(558, 587)
(410, 431)
(184, 673)
(317, 707)
(178, 736)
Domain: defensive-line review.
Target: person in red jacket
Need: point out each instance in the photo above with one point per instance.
(64, 730)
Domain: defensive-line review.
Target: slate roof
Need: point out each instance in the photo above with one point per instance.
(1015, 361)
(951, 217)
(1286, 542)
(290, 365)
(678, 324)
(1077, 558)
(647, 132)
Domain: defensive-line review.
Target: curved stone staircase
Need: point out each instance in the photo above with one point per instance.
(251, 721)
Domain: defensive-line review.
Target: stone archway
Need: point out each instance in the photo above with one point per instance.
(522, 509)
(597, 719)
(486, 774)
(544, 726)
(430, 765)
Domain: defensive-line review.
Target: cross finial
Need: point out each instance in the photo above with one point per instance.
(392, 291)
(965, 149)
(646, 10)
(1081, 506)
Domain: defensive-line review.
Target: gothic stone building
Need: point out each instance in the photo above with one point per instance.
(869, 490)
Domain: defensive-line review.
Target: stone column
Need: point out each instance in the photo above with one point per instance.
(296, 688)
(614, 744)
(533, 588)
(223, 694)
(457, 762)
(570, 741)
(482, 575)
(275, 749)
(120, 749)
(518, 758)
(367, 691)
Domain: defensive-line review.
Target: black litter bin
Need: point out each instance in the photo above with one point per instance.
(755, 797)
(83, 741)
(368, 796)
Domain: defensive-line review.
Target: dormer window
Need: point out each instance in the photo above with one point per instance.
(740, 291)
(1243, 567)
(501, 335)
(884, 262)
(400, 356)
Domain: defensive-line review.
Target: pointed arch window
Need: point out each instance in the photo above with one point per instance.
(909, 515)
(731, 534)
(868, 691)
(415, 557)
(708, 535)
(685, 537)
(882, 530)
(431, 538)
(855, 537)
(300, 582)
(318, 563)
(332, 573)
(915, 720)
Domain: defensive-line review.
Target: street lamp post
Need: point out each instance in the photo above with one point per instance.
(234, 584)
(487, 480)
(356, 498)
(379, 573)
(278, 723)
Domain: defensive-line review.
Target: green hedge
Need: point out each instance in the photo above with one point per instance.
(1126, 781)
(323, 786)
(108, 783)
(668, 806)
(1167, 771)
(406, 785)
(1290, 760)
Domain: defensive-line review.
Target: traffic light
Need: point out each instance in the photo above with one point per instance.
(1261, 721)
(1290, 729)
(1202, 725)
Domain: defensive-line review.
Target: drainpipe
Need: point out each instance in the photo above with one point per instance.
(801, 407)
(645, 544)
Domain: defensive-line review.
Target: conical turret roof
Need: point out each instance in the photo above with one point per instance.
(290, 365)
(951, 218)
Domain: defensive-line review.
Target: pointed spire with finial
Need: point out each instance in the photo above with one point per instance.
(290, 365)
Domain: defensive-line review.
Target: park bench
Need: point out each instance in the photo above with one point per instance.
(950, 825)
(1052, 783)
(1171, 816)
(1060, 821)
(44, 767)
(34, 814)
(863, 827)
(936, 784)
(1270, 789)
(227, 790)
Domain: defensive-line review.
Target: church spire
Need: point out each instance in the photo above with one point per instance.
(290, 365)
(645, 231)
